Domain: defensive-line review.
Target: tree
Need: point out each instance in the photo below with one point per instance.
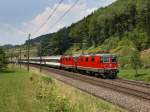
(136, 61)
(3, 60)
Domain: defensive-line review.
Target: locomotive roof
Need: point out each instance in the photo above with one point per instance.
(106, 54)
(99, 55)
(45, 57)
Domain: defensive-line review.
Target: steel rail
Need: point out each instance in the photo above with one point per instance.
(101, 83)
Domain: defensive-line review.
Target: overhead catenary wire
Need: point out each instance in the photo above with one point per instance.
(53, 25)
(71, 7)
(49, 17)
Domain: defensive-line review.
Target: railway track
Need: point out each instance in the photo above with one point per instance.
(137, 83)
(119, 85)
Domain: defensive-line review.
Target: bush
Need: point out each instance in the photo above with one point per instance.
(3, 60)
(46, 94)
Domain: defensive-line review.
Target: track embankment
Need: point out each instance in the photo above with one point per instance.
(129, 95)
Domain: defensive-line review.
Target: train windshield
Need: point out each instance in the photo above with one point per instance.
(105, 59)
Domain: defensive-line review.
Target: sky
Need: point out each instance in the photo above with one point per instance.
(18, 18)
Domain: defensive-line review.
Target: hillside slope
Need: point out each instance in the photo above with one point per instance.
(123, 22)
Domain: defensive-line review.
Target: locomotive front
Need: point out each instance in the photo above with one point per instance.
(109, 65)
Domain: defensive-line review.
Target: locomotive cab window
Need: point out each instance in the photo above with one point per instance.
(105, 59)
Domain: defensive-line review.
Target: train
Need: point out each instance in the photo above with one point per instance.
(100, 65)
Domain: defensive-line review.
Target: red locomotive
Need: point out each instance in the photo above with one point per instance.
(104, 65)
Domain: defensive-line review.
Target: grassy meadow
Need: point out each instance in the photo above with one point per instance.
(143, 74)
(21, 91)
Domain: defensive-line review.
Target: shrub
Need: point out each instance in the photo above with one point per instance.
(3, 60)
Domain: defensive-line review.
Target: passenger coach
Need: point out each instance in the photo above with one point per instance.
(52, 61)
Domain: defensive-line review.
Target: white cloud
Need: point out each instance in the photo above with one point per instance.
(78, 12)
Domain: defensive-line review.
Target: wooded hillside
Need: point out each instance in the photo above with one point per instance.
(125, 22)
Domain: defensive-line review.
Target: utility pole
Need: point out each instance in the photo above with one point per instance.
(20, 58)
(28, 53)
(40, 56)
(11, 57)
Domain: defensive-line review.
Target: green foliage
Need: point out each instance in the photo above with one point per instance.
(56, 43)
(145, 57)
(3, 60)
(136, 61)
(143, 74)
(45, 92)
(111, 43)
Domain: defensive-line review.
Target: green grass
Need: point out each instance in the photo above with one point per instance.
(83, 102)
(143, 74)
(21, 91)
(16, 92)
